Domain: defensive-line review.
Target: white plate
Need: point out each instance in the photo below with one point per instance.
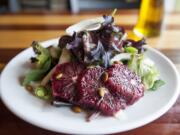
(35, 111)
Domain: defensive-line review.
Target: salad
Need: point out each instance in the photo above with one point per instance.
(98, 71)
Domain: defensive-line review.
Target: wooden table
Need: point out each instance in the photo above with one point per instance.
(17, 31)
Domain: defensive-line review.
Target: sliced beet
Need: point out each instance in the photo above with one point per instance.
(88, 85)
(88, 89)
(124, 83)
(64, 81)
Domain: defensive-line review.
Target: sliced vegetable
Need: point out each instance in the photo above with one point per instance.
(42, 54)
(65, 56)
(89, 24)
(92, 116)
(42, 92)
(37, 74)
(61, 104)
(54, 52)
(46, 79)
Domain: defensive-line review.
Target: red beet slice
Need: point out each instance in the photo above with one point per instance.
(64, 81)
(88, 87)
(124, 83)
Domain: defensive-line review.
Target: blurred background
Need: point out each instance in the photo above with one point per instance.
(22, 21)
(46, 19)
(20, 17)
(76, 6)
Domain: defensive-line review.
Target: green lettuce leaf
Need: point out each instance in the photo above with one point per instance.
(135, 63)
(146, 69)
(157, 84)
(149, 77)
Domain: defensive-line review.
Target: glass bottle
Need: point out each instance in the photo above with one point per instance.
(150, 18)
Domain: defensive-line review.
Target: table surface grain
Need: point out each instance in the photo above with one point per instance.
(17, 31)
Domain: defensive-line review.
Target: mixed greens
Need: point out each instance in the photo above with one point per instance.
(43, 62)
(103, 47)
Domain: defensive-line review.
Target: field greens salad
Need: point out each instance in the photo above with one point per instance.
(101, 47)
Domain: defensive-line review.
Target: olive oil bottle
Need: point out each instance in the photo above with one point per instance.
(150, 18)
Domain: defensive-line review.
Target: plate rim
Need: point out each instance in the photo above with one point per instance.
(145, 121)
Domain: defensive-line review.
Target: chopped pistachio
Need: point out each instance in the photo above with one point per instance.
(104, 77)
(59, 76)
(29, 88)
(76, 109)
(101, 91)
(90, 66)
(117, 62)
